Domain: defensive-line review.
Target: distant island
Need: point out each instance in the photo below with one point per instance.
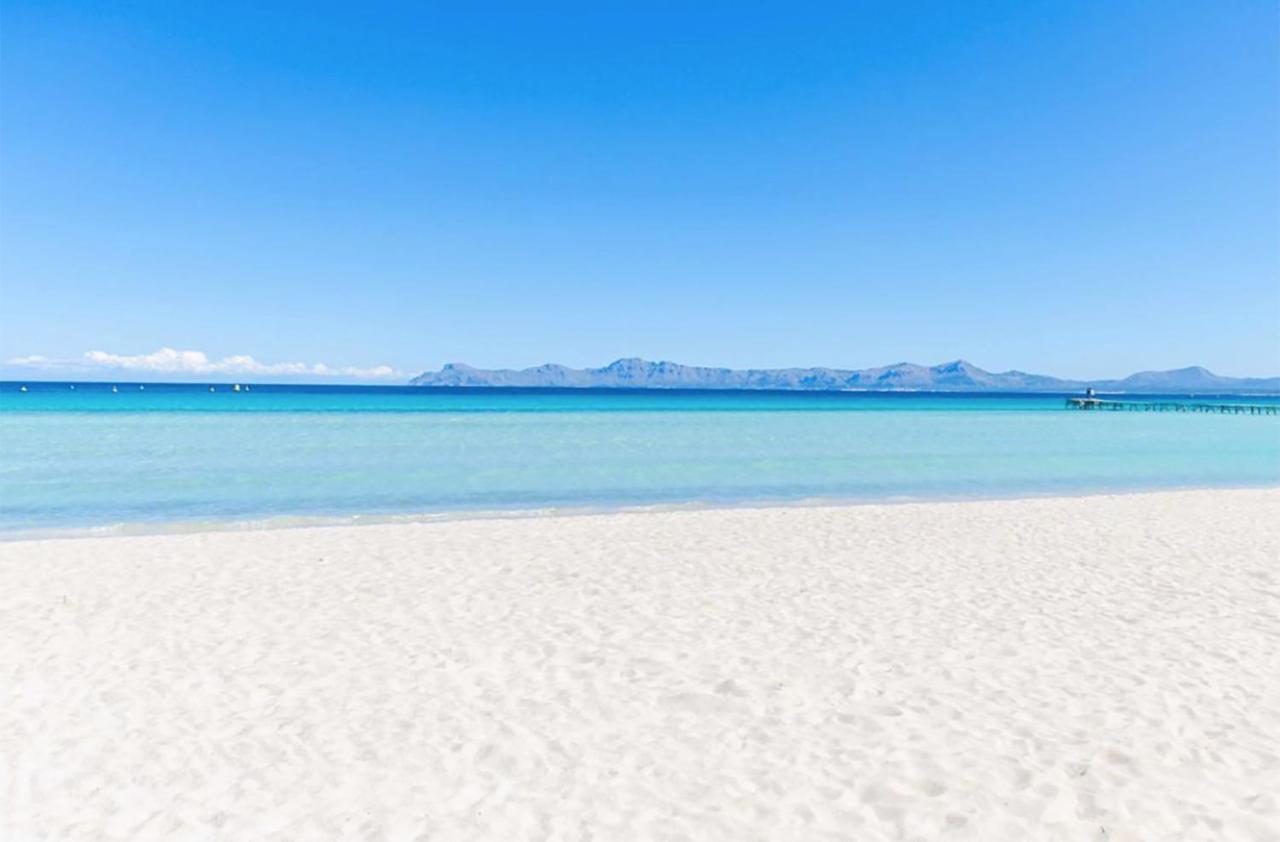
(958, 376)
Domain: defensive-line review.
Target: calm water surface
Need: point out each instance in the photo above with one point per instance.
(92, 457)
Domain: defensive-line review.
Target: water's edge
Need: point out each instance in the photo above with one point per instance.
(278, 523)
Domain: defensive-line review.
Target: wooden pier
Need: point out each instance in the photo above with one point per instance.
(1174, 406)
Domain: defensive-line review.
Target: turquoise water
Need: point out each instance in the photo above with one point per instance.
(91, 457)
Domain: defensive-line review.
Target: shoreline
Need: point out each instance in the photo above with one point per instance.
(142, 529)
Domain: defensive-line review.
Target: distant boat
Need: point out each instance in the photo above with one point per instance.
(73, 387)
(22, 388)
(210, 388)
(142, 388)
(114, 389)
(235, 388)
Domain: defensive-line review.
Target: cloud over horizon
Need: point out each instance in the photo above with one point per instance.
(172, 361)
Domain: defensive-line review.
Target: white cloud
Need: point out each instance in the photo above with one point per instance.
(33, 361)
(170, 361)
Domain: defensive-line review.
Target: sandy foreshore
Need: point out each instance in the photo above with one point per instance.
(1088, 668)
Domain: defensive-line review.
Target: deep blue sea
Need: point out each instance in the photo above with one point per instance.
(128, 456)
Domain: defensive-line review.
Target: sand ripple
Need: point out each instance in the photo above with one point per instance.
(1077, 669)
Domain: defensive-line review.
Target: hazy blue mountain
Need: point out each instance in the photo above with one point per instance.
(1193, 379)
(958, 376)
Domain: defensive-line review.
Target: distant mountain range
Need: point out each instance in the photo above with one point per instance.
(958, 376)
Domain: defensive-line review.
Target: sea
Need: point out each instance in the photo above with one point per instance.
(103, 458)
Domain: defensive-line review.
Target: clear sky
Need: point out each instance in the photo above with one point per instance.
(1073, 188)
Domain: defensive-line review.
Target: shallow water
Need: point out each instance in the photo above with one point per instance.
(163, 454)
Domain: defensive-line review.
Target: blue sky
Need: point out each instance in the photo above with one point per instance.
(1075, 188)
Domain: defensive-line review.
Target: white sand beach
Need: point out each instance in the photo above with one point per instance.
(1081, 668)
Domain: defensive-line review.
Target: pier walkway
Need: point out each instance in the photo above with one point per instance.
(1174, 406)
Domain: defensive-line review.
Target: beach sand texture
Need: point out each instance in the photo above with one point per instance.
(1090, 668)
